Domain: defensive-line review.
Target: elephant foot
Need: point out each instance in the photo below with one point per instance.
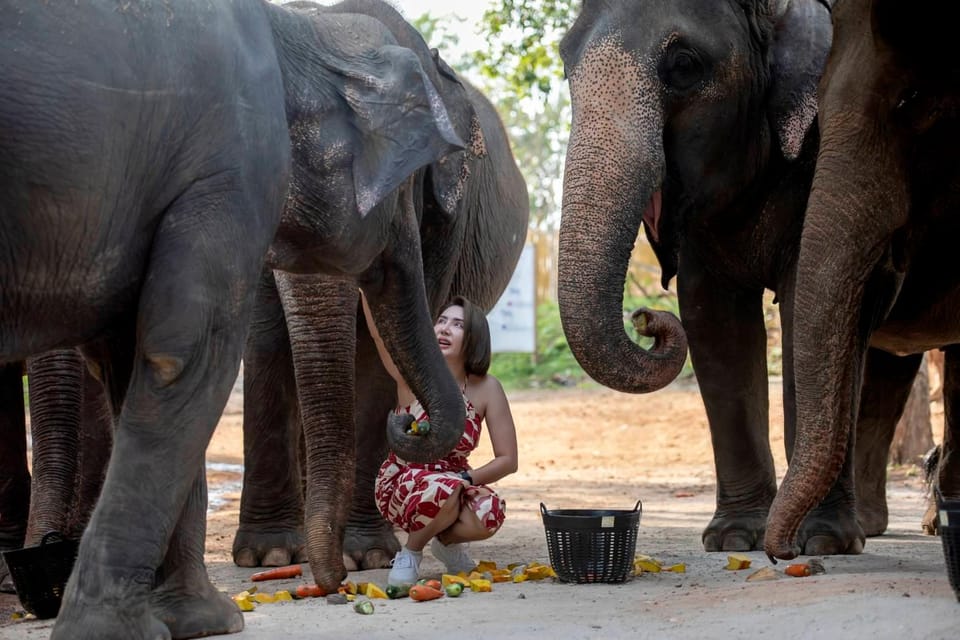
(125, 619)
(830, 533)
(369, 548)
(261, 547)
(735, 532)
(873, 519)
(197, 611)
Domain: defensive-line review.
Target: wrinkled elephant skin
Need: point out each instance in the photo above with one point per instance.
(872, 275)
(488, 217)
(141, 194)
(696, 120)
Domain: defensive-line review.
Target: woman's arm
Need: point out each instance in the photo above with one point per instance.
(402, 389)
(503, 434)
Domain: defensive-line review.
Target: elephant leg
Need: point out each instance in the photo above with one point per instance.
(321, 319)
(14, 476)
(271, 503)
(728, 344)
(56, 392)
(834, 526)
(369, 542)
(184, 599)
(191, 322)
(887, 382)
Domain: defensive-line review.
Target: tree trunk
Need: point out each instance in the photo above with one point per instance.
(914, 435)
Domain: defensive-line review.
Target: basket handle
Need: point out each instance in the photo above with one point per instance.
(543, 509)
(51, 536)
(638, 506)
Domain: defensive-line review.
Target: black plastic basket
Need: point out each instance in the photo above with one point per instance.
(588, 545)
(40, 573)
(949, 512)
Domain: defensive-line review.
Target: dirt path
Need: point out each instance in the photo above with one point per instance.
(601, 449)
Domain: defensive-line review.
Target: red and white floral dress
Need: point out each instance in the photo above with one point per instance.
(410, 494)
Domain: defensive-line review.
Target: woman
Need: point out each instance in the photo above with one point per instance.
(448, 501)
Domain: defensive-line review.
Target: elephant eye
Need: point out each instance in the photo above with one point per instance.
(682, 70)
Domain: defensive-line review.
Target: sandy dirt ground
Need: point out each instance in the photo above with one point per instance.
(599, 449)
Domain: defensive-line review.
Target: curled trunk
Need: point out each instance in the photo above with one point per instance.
(614, 170)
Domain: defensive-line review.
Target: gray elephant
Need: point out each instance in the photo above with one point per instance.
(696, 120)
(872, 277)
(473, 219)
(142, 194)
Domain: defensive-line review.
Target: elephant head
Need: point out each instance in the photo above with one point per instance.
(647, 79)
(345, 216)
(885, 181)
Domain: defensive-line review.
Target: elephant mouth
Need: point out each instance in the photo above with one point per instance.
(651, 216)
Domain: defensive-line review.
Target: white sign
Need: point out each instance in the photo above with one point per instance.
(513, 320)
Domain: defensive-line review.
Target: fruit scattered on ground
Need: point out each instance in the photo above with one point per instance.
(454, 589)
(363, 606)
(760, 575)
(337, 598)
(278, 573)
(373, 591)
(737, 562)
(798, 570)
(422, 593)
(647, 564)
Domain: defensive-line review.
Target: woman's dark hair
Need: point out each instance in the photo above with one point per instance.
(476, 336)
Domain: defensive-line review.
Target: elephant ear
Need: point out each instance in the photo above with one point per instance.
(802, 36)
(448, 175)
(401, 121)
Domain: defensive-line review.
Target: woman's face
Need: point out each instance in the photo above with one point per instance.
(449, 330)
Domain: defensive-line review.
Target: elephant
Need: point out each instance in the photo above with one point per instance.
(884, 210)
(141, 195)
(697, 121)
(471, 243)
(71, 431)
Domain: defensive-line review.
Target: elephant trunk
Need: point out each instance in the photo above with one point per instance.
(398, 303)
(847, 279)
(320, 313)
(56, 384)
(614, 170)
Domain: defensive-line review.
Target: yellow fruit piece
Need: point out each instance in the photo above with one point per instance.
(479, 584)
(766, 573)
(647, 565)
(282, 595)
(350, 596)
(348, 588)
(737, 561)
(539, 572)
(677, 568)
(519, 573)
(373, 591)
(244, 604)
(486, 565)
(263, 598)
(501, 575)
(447, 579)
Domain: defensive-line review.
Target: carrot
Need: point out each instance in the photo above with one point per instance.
(310, 591)
(279, 573)
(422, 592)
(799, 570)
(433, 584)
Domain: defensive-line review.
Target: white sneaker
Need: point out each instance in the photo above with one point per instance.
(405, 568)
(453, 556)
